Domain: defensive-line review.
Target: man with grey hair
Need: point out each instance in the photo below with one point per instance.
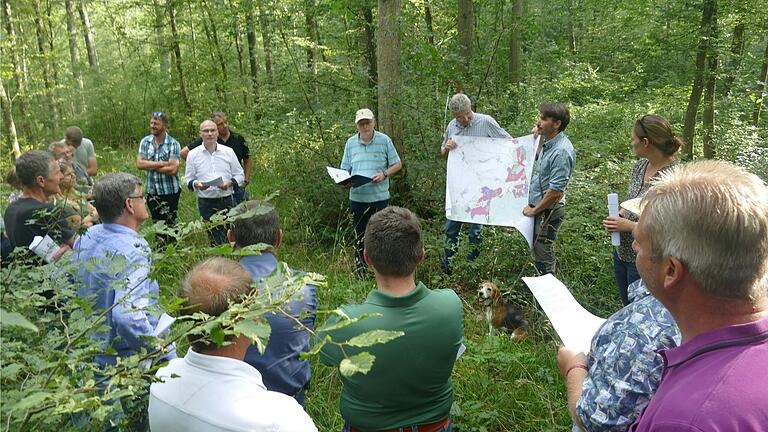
(702, 250)
(113, 268)
(212, 388)
(465, 123)
(85, 154)
(31, 214)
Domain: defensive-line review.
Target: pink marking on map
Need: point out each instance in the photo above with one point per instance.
(489, 194)
(478, 211)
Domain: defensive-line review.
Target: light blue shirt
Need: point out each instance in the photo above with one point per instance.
(481, 125)
(114, 270)
(552, 169)
(280, 366)
(368, 160)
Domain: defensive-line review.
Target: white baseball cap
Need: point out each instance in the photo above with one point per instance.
(363, 114)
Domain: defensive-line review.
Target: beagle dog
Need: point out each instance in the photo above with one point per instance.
(500, 314)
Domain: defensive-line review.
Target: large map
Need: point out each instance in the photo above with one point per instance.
(488, 180)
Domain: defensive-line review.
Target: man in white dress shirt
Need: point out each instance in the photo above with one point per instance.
(212, 388)
(217, 163)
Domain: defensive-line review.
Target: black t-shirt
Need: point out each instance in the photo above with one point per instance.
(26, 218)
(236, 142)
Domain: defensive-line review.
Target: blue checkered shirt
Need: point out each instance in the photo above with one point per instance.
(169, 149)
(624, 363)
(481, 125)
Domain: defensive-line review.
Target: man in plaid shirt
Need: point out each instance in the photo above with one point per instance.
(159, 156)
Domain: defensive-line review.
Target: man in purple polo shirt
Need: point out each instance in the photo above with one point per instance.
(702, 250)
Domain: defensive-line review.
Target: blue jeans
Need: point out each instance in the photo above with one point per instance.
(452, 230)
(415, 428)
(361, 214)
(626, 273)
(210, 206)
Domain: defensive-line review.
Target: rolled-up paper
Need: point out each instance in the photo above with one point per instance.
(44, 247)
(613, 210)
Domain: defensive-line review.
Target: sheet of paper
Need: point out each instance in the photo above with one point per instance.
(574, 325)
(163, 325)
(218, 181)
(44, 247)
(338, 175)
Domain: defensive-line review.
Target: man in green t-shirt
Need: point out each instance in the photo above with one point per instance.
(409, 384)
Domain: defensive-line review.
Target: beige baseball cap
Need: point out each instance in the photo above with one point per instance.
(363, 114)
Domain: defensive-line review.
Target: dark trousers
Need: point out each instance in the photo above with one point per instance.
(546, 225)
(210, 206)
(240, 194)
(164, 208)
(361, 214)
(452, 231)
(626, 273)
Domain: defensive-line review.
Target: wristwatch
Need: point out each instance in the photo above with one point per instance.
(386, 174)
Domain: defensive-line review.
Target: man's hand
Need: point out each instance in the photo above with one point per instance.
(529, 211)
(450, 145)
(567, 358)
(378, 178)
(200, 186)
(226, 184)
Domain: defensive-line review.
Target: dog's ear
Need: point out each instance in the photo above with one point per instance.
(495, 291)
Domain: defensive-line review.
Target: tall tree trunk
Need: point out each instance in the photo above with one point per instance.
(689, 129)
(209, 26)
(388, 47)
(710, 78)
(428, 22)
(253, 60)
(369, 47)
(74, 55)
(465, 26)
(311, 28)
(18, 71)
(90, 43)
(760, 100)
(737, 51)
(177, 54)
(569, 28)
(46, 67)
(10, 126)
(266, 37)
(515, 46)
(165, 55)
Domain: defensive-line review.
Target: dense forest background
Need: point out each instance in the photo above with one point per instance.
(290, 75)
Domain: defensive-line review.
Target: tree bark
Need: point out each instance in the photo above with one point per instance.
(569, 28)
(710, 78)
(388, 59)
(266, 37)
(312, 34)
(689, 129)
(177, 54)
(10, 126)
(737, 51)
(165, 55)
(465, 26)
(18, 76)
(90, 43)
(369, 46)
(428, 22)
(209, 27)
(515, 45)
(74, 55)
(253, 60)
(761, 89)
(46, 67)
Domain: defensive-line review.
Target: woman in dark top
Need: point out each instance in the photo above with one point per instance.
(656, 145)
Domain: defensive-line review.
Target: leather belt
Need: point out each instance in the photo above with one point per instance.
(426, 427)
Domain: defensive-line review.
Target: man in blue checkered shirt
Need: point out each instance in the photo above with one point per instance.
(159, 157)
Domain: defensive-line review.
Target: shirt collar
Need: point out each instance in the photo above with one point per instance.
(120, 229)
(381, 298)
(556, 139)
(224, 366)
(259, 265)
(742, 334)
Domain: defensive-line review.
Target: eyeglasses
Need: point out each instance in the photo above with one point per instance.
(158, 114)
(142, 196)
(642, 126)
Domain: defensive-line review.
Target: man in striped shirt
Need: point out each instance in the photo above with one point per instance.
(465, 123)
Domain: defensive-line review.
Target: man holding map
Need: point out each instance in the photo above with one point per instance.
(552, 171)
(465, 123)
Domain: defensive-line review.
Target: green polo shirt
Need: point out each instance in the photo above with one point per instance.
(410, 381)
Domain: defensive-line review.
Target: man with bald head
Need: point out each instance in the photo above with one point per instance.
(212, 388)
(214, 172)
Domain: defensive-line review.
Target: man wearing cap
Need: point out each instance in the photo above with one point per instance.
(85, 155)
(368, 153)
(159, 157)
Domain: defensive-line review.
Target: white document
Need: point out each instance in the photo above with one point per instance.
(44, 247)
(338, 175)
(488, 180)
(163, 325)
(218, 181)
(574, 325)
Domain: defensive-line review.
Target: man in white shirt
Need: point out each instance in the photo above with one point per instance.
(215, 163)
(212, 388)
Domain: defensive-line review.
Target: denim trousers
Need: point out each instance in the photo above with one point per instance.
(626, 273)
(361, 214)
(546, 225)
(210, 206)
(452, 231)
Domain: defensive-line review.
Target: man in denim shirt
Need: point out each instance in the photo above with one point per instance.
(552, 171)
(280, 366)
